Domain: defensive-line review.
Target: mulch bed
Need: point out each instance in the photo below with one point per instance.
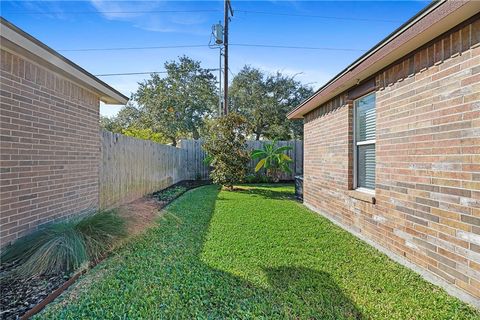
(171, 193)
(18, 296)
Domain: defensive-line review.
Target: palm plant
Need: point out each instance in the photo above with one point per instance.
(273, 159)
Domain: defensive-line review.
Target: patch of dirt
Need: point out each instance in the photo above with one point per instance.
(140, 214)
(236, 189)
(17, 296)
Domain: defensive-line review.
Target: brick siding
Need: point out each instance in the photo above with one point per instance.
(427, 197)
(49, 147)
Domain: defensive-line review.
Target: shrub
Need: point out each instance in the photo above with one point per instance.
(57, 247)
(225, 145)
(170, 193)
(273, 159)
(101, 231)
(66, 245)
(257, 178)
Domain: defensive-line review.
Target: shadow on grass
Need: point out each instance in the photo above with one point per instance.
(276, 192)
(293, 292)
(165, 274)
(313, 291)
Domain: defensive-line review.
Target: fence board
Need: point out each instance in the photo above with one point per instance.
(197, 169)
(132, 168)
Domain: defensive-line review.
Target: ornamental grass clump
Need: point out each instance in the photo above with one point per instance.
(57, 247)
(64, 246)
(101, 231)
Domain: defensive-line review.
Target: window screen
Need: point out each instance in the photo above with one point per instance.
(365, 124)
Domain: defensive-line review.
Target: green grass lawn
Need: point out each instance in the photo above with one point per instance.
(252, 254)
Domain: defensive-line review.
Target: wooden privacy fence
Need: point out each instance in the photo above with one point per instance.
(197, 169)
(132, 168)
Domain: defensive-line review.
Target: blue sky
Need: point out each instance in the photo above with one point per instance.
(351, 25)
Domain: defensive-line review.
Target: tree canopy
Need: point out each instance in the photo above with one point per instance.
(127, 117)
(177, 105)
(264, 100)
(166, 108)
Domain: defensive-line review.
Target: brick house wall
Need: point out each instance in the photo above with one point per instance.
(49, 146)
(427, 197)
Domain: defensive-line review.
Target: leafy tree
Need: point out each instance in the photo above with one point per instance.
(128, 116)
(273, 159)
(225, 146)
(265, 100)
(145, 134)
(107, 123)
(177, 105)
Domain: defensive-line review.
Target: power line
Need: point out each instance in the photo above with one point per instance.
(294, 47)
(109, 12)
(127, 73)
(136, 48)
(315, 16)
(139, 73)
(285, 14)
(206, 46)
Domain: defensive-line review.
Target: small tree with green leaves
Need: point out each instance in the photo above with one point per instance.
(225, 145)
(273, 159)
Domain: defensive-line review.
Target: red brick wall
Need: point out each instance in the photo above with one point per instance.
(50, 147)
(427, 207)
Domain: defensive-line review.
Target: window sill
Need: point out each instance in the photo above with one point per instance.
(367, 196)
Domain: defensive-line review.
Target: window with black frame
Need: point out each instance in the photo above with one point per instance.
(364, 142)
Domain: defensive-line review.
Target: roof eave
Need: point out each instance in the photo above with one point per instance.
(443, 21)
(20, 38)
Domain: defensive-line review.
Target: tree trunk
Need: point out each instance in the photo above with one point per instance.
(174, 141)
(257, 136)
(195, 134)
(274, 174)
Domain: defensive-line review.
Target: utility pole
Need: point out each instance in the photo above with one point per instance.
(220, 98)
(228, 11)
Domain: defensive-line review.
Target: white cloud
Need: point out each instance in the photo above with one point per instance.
(49, 9)
(121, 10)
(138, 13)
(109, 110)
(312, 77)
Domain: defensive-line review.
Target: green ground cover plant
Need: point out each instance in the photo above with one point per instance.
(253, 253)
(170, 193)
